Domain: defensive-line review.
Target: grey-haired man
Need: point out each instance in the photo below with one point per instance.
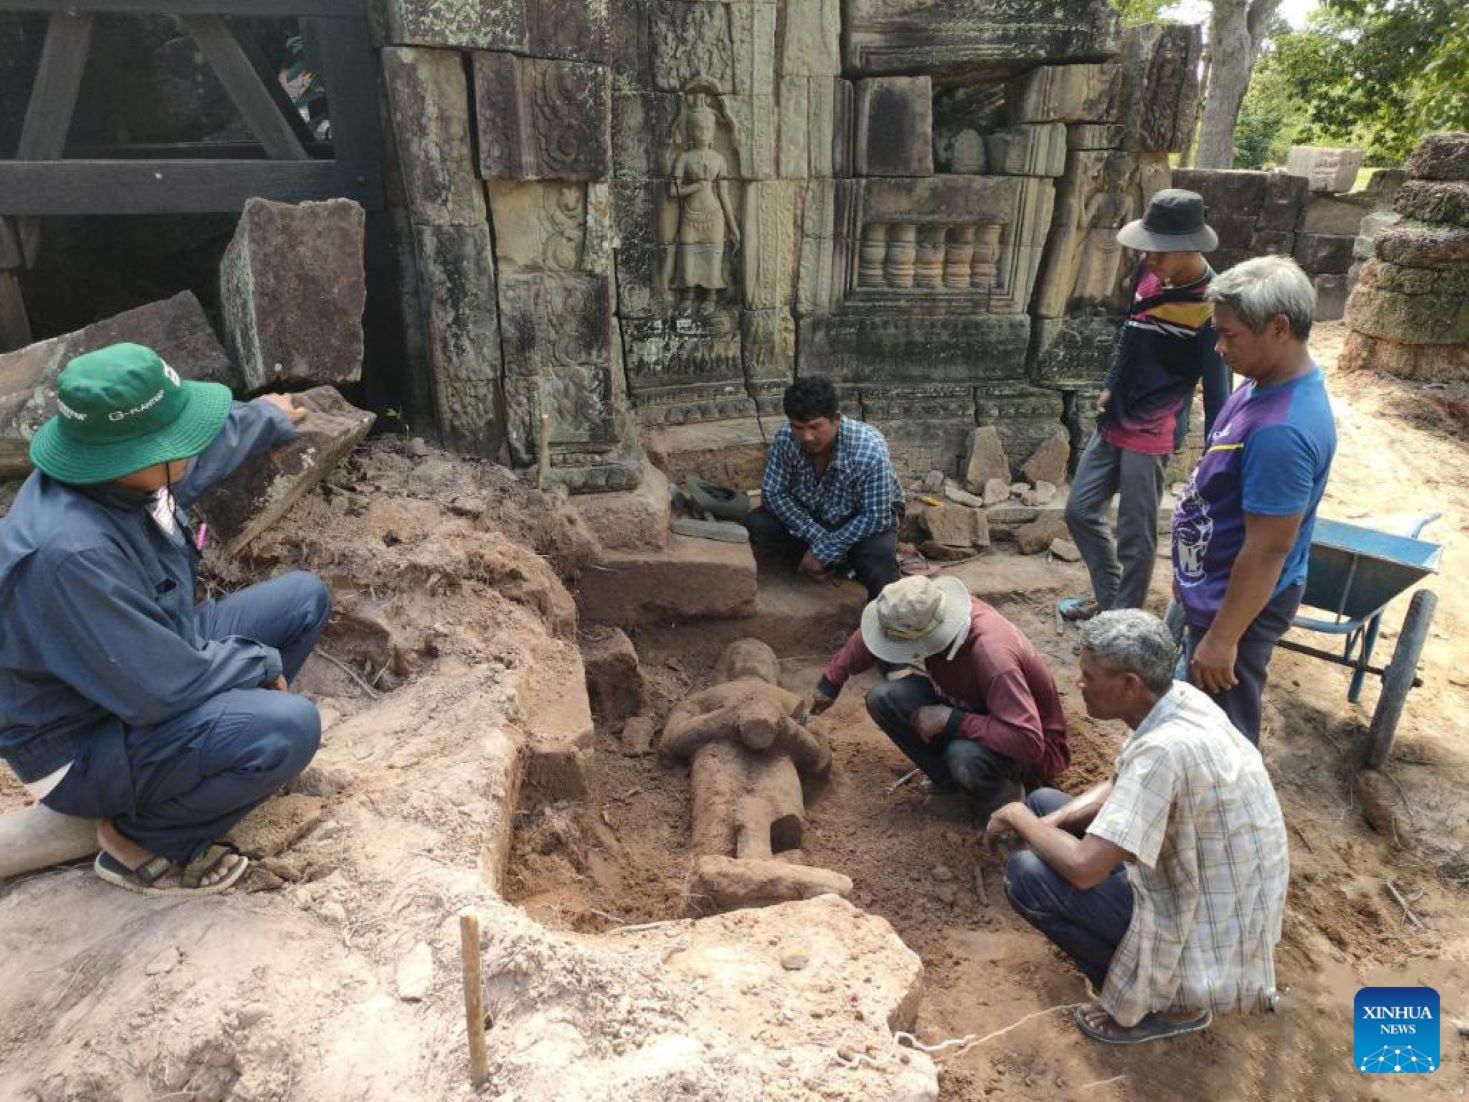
(1166, 885)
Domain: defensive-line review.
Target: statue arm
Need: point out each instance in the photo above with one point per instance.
(730, 220)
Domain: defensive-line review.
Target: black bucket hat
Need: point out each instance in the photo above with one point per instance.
(1173, 223)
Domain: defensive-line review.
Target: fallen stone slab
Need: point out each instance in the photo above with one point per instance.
(268, 484)
(956, 525)
(723, 531)
(614, 676)
(292, 288)
(729, 883)
(1441, 157)
(1048, 462)
(175, 328)
(690, 579)
(986, 459)
(1065, 550)
(276, 825)
(36, 837)
(1039, 534)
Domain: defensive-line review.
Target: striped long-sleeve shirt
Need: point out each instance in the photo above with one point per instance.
(1162, 352)
(855, 497)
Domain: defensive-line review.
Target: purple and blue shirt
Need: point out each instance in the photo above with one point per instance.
(1269, 455)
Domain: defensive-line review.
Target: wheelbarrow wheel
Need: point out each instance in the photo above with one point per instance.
(1398, 678)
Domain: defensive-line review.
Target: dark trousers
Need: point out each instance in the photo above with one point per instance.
(874, 560)
(1121, 568)
(980, 771)
(1252, 661)
(195, 776)
(1085, 925)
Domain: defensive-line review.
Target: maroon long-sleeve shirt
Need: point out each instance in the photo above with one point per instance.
(1002, 687)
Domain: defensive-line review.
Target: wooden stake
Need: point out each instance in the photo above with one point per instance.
(474, 999)
(543, 452)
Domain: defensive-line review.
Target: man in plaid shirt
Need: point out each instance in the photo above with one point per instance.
(830, 494)
(1166, 885)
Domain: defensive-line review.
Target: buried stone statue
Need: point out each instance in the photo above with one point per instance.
(749, 756)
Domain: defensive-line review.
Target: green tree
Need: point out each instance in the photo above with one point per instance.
(1379, 73)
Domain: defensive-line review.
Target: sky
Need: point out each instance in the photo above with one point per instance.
(1293, 12)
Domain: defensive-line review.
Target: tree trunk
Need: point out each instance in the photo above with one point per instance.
(1236, 34)
(1229, 77)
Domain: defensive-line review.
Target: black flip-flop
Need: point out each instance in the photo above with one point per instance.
(144, 879)
(1151, 1028)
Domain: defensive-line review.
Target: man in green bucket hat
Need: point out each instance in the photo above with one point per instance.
(122, 700)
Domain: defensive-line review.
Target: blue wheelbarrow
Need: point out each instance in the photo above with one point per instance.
(1354, 574)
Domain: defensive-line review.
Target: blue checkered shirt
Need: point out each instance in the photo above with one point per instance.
(854, 498)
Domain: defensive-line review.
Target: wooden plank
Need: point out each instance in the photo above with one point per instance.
(256, 105)
(349, 75)
(177, 187)
(264, 9)
(271, 79)
(54, 91)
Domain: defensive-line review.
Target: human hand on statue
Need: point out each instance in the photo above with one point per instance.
(1212, 665)
(930, 721)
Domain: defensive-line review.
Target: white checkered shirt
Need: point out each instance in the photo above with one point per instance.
(1194, 805)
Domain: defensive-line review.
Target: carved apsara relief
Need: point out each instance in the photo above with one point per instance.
(698, 222)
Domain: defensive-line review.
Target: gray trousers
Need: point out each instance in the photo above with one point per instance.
(1121, 567)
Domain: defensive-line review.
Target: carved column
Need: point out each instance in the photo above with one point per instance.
(959, 256)
(985, 270)
(873, 254)
(902, 251)
(928, 268)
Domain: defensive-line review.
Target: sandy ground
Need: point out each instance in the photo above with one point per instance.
(624, 858)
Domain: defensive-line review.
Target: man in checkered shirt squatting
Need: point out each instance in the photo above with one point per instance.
(1166, 885)
(829, 494)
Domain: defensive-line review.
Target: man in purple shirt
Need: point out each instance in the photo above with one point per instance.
(1242, 532)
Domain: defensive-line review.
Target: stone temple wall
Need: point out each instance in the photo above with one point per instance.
(654, 214)
(1301, 214)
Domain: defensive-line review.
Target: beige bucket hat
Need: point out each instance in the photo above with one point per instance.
(915, 618)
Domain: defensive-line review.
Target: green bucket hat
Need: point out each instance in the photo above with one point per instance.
(121, 409)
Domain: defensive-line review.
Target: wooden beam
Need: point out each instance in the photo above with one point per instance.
(54, 91)
(258, 108)
(270, 77)
(348, 71)
(178, 187)
(262, 9)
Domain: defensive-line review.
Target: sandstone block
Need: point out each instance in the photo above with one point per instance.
(1281, 205)
(1331, 296)
(632, 520)
(428, 102)
(894, 127)
(614, 677)
(276, 825)
(1011, 515)
(1093, 136)
(486, 25)
(1338, 214)
(1273, 242)
(1048, 462)
(813, 33)
(996, 492)
(1064, 93)
(1039, 534)
(36, 837)
(1072, 351)
(729, 883)
(551, 226)
(292, 291)
(1235, 230)
(968, 40)
(1329, 169)
(1371, 226)
(690, 579)
(175, 328)
(725, 531)
(986, 461)
(1442, 201)
(956, 525)
(542, 120)
(1428, 362)
(1065, 550)
(1226, 191)
(1419, 246)
(1431, 318)
(793, 150)
(265, 487)
(459, 315)
(1440, 157)
(952, 491)
(1415, 281)
(637, 736)
(1038, 150)
(1160, 86)
(1324, 253)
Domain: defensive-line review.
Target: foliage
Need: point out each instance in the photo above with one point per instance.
(1272, 117)
(1134, 12)
(1375, 73)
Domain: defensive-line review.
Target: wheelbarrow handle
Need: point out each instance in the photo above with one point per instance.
(1424, 522)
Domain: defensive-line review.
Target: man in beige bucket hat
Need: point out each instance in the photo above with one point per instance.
(982, 716)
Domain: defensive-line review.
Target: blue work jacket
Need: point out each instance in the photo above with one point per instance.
(98, 631)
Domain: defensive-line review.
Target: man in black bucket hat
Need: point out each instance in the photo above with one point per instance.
(120, 699)
(1162, 352)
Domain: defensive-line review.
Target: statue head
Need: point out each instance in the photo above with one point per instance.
(701, 125)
